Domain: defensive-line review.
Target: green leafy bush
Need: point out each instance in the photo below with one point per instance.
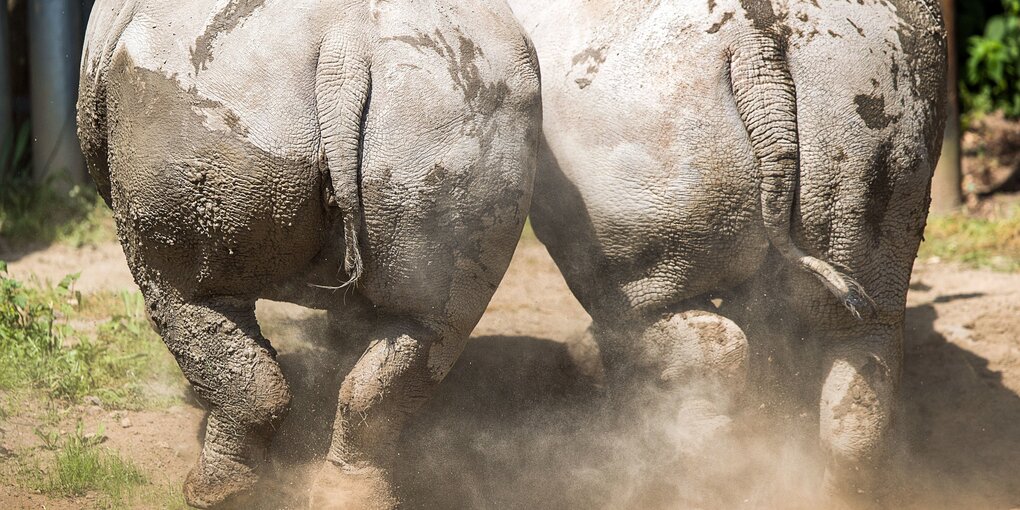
(992, 76)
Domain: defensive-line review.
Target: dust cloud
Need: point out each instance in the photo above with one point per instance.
(520, 423)
(538, 436)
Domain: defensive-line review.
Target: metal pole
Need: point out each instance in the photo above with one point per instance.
(945, 188)
(86, 10)
(6, 113)
(54, 56)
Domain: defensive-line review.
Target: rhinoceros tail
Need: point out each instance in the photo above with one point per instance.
(766, 99)
(342, 91)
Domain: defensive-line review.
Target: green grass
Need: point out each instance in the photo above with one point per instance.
(79, 466)
(32, 215)
(528, 233)
(54, 339)
(987, 243)
(168, 497)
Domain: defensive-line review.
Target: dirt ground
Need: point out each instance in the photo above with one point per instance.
(515, 426)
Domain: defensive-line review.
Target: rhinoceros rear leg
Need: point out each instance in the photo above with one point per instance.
(690, 366)
(402, 366)
(701, 349)
(220, 349)
(703, 358)
(863, 372)
(692, 350)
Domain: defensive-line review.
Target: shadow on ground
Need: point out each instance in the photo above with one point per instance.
(960, 424)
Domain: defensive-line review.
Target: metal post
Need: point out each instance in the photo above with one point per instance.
(6, 113)
(86, 10)
(54, 57)
(945, 188)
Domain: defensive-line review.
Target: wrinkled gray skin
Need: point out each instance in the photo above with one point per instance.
(698, 148)
(284, 148)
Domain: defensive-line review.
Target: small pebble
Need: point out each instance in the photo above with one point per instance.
(125, 422)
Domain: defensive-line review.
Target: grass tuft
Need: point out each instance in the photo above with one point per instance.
(988, 243)
(80, 467)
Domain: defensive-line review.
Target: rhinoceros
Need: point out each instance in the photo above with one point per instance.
(334, 154)
(696, 150)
